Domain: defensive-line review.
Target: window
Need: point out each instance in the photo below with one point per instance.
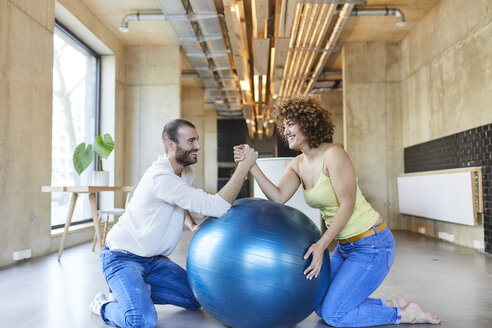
(76, 80)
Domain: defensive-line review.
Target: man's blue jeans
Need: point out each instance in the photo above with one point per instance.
(356, 270)
(140, 282)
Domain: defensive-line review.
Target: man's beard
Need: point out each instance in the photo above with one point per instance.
(183, 156)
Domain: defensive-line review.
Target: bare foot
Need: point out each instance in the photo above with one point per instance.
(412, 313)
(396, 300)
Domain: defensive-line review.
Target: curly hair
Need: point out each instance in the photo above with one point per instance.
(315, 121)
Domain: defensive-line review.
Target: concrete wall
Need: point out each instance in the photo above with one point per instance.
(447, 71)
(333, 101)
(372, 124)
(26, 28)
(447, 86)
(152, 97)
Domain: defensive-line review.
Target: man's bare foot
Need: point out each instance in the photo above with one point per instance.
(412, 313)
(396, 300)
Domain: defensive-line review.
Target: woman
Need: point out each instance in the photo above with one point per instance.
(366, 248)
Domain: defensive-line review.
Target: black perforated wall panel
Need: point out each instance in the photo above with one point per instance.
(229, 134)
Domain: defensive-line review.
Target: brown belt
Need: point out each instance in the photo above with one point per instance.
(365, 234)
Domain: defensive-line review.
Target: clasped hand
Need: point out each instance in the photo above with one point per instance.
(239, 152)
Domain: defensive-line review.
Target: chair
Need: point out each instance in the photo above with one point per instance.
(110, 216)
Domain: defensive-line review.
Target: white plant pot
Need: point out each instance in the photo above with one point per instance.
(100, 178)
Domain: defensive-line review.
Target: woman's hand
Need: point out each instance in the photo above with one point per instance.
(239, 153)
(317, 250)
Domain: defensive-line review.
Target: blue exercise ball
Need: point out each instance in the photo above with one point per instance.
(246, 267)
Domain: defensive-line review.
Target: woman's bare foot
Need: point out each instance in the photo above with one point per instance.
(412, 313)
(396, 300)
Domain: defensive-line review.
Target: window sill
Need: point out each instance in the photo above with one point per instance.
(74, 229)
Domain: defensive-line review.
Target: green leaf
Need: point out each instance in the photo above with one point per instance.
(103, 147)
(82, 157)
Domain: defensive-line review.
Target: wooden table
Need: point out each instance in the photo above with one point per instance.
(91, 190)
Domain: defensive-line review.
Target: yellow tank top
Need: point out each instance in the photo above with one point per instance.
(323, 196)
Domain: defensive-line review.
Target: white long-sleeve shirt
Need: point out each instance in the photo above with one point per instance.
(154, 218)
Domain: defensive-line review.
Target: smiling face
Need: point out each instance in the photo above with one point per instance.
(313, 121)
(187, 146)
(293, 134)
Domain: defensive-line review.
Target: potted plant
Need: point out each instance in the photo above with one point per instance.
(82, 158)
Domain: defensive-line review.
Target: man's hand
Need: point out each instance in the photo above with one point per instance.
(189, 222)
(230, 191)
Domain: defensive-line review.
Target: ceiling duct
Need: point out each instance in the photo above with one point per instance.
(202, 40)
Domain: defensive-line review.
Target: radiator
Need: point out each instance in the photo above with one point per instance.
(447, 195)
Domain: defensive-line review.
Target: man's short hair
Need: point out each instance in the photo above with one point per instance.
(170, 130)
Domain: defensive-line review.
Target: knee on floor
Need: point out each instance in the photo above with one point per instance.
(331, 318)
(144, 319)
(332, 321)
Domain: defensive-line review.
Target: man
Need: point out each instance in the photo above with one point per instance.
(135, 262)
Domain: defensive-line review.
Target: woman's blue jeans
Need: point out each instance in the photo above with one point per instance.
(356, 270)
(140, 282)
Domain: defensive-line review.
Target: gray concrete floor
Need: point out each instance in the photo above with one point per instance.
(453, 281)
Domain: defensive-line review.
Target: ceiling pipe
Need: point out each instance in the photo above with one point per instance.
(160, 16)
(400, 18)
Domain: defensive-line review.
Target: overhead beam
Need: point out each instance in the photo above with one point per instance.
(261, 50)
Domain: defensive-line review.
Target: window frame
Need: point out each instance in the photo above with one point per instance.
(97, 101)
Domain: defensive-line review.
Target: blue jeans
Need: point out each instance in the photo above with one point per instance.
(356, 270)
(140, 282)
